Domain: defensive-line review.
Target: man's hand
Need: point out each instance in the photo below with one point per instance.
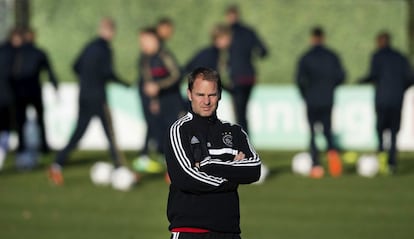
(239, 156)
(151, 89)
(155, 106)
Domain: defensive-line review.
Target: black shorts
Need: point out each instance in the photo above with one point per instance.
(388, 118)
(321, 115)
(5, 118)
(208, 235)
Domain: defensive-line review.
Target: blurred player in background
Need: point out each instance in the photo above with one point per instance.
(207, 160)
(214, 56)
(160, 95)
(244, 47)
(29, 62)
(165, 30)
(94, 69)
(318, 74)
(391, 74)
(7, 53)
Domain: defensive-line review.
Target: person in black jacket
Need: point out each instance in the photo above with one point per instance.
(158, 83)
(391, 74)
(207, 160)
(319, 72)
(214, 56)
(165, 29)
(7, 53)
(29, 62)
(94, 69)
(244, 46)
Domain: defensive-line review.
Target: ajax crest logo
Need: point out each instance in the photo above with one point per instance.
(228, 139)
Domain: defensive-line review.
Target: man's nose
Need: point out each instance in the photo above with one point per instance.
(206, 100)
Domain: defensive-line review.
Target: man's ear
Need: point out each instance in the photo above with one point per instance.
(189, 95)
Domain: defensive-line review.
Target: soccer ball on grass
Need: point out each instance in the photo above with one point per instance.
(302, 164)
(367, 166)
(123, 179)
(100, 173)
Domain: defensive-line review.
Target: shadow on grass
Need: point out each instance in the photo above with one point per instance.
(405, 167)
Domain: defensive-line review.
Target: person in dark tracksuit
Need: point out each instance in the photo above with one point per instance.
(29, 62)
(215, 56)
(245, 45)
(7, 53)
(391, 74)
(94, 69)
(160, 95)
(165, 30)
(207, 160)
(318, 74)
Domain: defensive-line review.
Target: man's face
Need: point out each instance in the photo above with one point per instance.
(223, 41)
(165, 31)
(381, 42)
(204, 97)
(149, 44)
(16, 40)
(107, 30)
(317, 40)
(232, 17)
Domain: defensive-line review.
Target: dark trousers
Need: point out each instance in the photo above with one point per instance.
(322, 116)
(86, 111)
(241, 95)
(388, 118)
(209, 235)
(21, 105)
(152, 121)
(171, 105)
(5, 118)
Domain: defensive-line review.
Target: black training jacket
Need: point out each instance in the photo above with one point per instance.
(161, 68)
(245, 45)
(318, 74)
(94, 69)
(204, 177)
(29, 62)
(6, 66)
(391, 73)
(207, 57)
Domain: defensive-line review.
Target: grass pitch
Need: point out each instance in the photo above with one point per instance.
(286, 206)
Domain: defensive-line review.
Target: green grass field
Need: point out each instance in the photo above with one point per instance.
(286, 206)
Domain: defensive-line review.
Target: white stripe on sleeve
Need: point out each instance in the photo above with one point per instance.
(183, 159)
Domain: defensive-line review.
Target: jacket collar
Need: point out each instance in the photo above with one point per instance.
(102, 41)
(210, 119)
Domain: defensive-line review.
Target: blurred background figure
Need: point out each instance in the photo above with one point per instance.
(391, 74)
(29, 62)
(165, 29)
(319, 72)
(160, 95)
(94, 69)
(214, 56)
(244, 46)
(7, 53)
